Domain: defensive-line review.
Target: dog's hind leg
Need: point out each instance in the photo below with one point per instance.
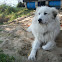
(49, 45)
(35, 47)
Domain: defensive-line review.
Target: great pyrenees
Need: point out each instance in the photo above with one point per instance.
(45, 27)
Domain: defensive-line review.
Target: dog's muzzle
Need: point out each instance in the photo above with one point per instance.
(40, 20)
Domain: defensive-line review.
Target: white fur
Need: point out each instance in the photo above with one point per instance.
(49, 25)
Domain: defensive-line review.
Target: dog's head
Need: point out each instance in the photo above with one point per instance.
(45, 14)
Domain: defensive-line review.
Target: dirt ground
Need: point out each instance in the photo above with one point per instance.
(16, 41)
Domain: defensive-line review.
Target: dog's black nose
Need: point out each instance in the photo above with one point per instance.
(40, 20)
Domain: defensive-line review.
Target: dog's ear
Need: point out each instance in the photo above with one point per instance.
(54, 11)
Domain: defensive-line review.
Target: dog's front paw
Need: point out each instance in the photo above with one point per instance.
(44, 47)
(31, 57)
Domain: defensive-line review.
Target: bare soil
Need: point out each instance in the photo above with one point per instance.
(16, 41)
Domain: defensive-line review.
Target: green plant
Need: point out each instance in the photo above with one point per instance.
(1, 41)
(20, 4)
(8, 13)
(6, 58)
(7, 9)
(0, 29)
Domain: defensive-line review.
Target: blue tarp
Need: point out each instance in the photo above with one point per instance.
(31, 5)
(55, 3)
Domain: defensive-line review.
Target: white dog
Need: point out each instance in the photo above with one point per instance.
(45, 27)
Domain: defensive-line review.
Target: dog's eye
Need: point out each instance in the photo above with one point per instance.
(39, 13)
(45, 13)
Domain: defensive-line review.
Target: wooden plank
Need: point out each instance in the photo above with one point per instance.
(39, 0)
(29, 0)
(61, 3)
(53, 0)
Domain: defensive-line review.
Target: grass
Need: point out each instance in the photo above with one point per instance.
(1, 41)
(8, 13)
(6, 58)
(0, 30)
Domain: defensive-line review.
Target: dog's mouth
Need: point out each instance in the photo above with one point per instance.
(42, 22)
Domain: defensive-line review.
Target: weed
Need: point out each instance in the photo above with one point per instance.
(8, 13)
(6, 58)
(1, 41)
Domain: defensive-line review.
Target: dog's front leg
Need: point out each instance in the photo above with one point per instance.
(35, 47)
(49, 45)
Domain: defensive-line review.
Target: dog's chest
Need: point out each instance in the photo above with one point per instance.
(39, 29)
(40, 32)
